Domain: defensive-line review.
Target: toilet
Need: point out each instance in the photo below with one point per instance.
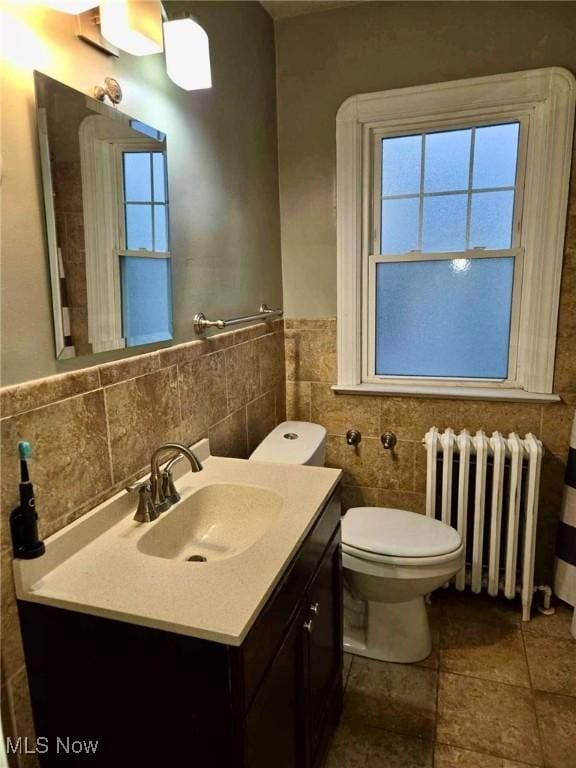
(392, 558)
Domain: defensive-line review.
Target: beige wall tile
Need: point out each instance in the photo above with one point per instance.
(260, 418)
(311, 324)
(557, 419)
(142, 414)
(12, 650)
(271, 361)
(310, 356)
(339, 413)
(129, 368)
(35, 394)
(557, 721)
(280, 403)
(298, 401)
(71, 463)
(360, 465)
(181, 354)
(242, 375)
(229, 436)
(203, 399)
(397, 466)
(358, 496)
(413, 502)
(251, 332)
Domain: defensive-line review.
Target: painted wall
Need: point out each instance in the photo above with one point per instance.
(323, 58)
(222, 165)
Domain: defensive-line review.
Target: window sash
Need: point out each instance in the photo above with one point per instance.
(369, 318)
(452, 123)
(371, 254)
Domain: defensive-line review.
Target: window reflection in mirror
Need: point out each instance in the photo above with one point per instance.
(107, 216)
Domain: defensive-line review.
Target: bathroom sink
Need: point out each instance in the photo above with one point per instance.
(216, 522)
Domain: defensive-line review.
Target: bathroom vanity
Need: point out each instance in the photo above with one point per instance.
(235, 662)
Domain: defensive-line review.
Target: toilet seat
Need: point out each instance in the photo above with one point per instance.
(388, 535)
(419, 562)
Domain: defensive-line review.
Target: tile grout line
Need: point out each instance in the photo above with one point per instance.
(533, 698)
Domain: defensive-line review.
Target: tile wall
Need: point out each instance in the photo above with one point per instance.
(92, 431)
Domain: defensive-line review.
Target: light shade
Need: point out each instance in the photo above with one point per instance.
(135, 26)
(71, 6)
(187, 54)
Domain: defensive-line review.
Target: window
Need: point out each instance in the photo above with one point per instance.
(126, 219)
(144, 254)
(451, 213)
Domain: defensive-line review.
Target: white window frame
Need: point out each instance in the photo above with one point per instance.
(543, 102)
(101, 148)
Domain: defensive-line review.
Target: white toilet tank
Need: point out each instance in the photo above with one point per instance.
(293, 442)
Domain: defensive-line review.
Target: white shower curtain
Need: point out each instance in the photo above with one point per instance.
(565, 568)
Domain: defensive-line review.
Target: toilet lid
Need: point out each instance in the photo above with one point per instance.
(397, 532)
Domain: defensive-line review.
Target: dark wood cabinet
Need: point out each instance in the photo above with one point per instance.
(154, 698)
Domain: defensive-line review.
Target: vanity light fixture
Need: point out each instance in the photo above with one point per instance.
(73, 7)
(135, 26)
(187, 51)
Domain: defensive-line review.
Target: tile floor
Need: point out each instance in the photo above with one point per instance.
(495, 693)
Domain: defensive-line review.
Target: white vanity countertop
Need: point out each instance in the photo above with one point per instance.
(94, 565)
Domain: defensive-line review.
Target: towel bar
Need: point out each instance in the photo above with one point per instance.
(265, 313)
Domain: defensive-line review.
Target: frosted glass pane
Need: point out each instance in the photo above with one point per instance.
(444, 318)
(139, 227)
(159, 177)
(447, 161)
(444, 227)
(137, 177)
(399, 225)
(401, 157)
(495, 156)
(491, 222)
(160, 228)
(146, 300)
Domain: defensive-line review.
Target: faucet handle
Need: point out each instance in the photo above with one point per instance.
(146, 511)
(168, 487)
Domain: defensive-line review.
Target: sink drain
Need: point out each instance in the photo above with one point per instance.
(196, 559)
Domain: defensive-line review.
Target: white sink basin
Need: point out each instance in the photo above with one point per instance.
(216, 522)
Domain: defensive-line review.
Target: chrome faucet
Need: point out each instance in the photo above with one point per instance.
(158, 493)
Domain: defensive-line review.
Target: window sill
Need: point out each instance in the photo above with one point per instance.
(453, 392)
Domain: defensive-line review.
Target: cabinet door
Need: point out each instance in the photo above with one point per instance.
(324, 646)
(275, 722)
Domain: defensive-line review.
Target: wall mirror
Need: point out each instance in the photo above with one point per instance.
(107, 221)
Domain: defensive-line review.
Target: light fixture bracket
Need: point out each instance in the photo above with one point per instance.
(110, 89)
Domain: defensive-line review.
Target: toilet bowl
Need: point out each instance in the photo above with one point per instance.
(392, 558)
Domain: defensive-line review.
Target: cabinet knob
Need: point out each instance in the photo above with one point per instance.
(315, 608)
(308, 625)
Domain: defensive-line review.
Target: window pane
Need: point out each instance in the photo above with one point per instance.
(401, 159)
(495, 156)
(159, 177)
(146, 300)
(444, 227)
(399, 225)
(137, 177)
(447, 161)
(160, 228)
(139, 227)
(444, 318)
(491, 222)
